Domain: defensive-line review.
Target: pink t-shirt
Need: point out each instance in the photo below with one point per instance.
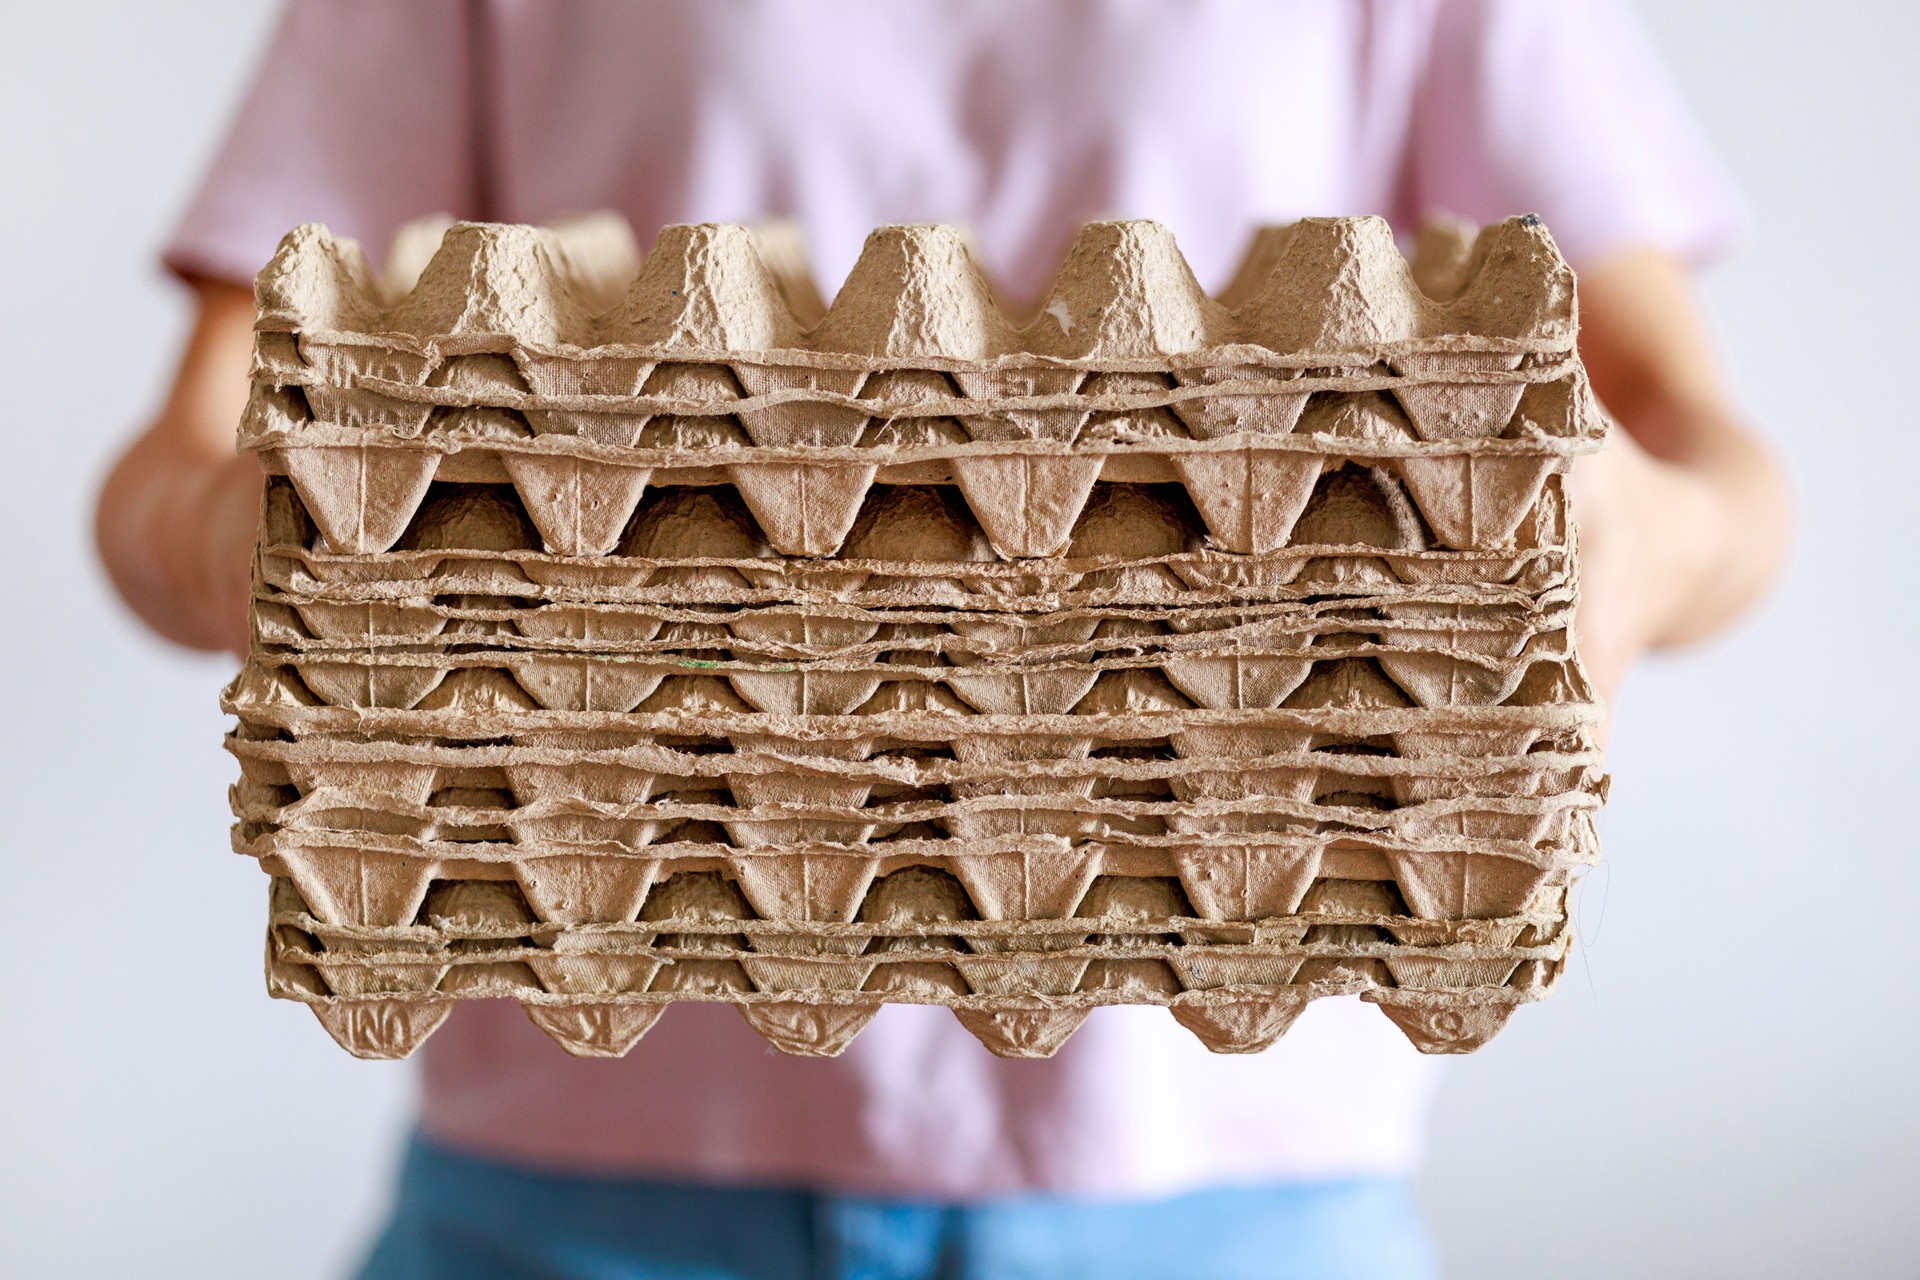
(1022, 118)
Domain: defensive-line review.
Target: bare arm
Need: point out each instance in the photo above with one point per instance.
(1685, 516)
(176, 516)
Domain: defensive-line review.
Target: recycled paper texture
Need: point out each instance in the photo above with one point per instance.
(630, 631)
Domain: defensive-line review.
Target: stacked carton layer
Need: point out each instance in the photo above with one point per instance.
(624, 636)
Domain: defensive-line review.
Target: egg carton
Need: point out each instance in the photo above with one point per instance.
(362, 875)
(493, 687)
(1134, 544)
(1338, 300)
(1205, 742)
(1327, 287)
(1230, 776)
(491, 364)
(584, 587)
(596, 991)
(1434, 741)
(1198, 579)
(913, 907)
(1225, 678)
(830, 634)
(591, 683)
(608, 771)
(363, 496)
(1244, 675)
(1485, 634)
(1250, 498)
(604, 821)
(846, 636)
(828, 813)
(913, 538)
(586, 778)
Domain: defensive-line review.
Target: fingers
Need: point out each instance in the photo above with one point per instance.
(1699, 517)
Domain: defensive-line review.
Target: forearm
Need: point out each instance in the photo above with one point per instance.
(176, 515)
(1686, 514)
(171, 530)
(1727, 508)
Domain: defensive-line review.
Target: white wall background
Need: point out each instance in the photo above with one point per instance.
(1723, 1087)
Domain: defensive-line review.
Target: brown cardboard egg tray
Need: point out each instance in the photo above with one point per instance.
(1350, 697)
(907, 538)
(831, 634)
(721, 567)
(1425, 660)
(362, 497)
(1439, 642)
(820, 814)
(1227, 679)
(1343, 703)
(493, 367)
(583, 321)
(783, 803)
(598, 792)
(1340, 302)
(805, 850)
(730, 564)
(1249, 499)
(790, 810)
(1452, 868)
(482, 704)
(914, 907)
(1460, 618)
(612, 767)
(809, 989)
(585, 824)
(360, 878)
(585, 585)
(1073, 792)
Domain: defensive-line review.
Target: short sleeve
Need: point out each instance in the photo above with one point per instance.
(1561, 108)
(358, 117)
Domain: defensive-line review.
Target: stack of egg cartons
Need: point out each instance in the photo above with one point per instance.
(622, 639)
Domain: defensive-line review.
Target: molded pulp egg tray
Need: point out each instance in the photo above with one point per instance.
(627, 632)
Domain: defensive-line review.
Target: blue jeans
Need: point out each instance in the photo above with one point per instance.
(462, 1218)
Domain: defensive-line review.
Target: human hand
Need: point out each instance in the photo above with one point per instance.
(1684, 516)
(1645, 527)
